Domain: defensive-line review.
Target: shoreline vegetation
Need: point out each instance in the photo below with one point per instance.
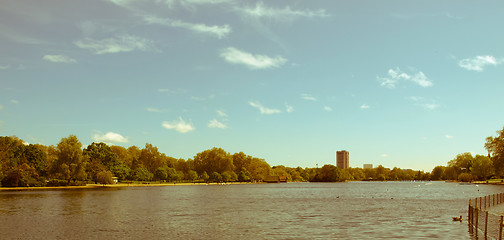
(69, 164)
(172, 184)
(122, 185)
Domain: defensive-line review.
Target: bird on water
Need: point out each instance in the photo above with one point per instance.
(457, 218)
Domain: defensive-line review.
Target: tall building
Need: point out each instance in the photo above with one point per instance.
(342, 159)
(367, 166)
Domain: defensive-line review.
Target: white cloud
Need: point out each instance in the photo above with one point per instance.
(125, 43)
(384, 155)
(235, 56)
(308, 97)
(448, 136)
(396, 75)
(14, 101)
(479, 62)
(289, 108)
(196, 98)
(327, 108)
(172, 91)
(59, 59)
(214, 123)
(364, 106)
(5, 67)
(179, 126)
(430, 106)
(110, 137)
(263, 109)
(221, 113)
(422, 80)
(215, 30)
(151, 109)
(280, 14)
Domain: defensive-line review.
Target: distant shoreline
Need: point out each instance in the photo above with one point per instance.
(118, 185)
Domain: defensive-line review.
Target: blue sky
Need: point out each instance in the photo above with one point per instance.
(406, 84)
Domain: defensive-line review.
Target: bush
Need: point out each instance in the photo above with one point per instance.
(465, 177)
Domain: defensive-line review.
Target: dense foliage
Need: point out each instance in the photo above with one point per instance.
(68, 163)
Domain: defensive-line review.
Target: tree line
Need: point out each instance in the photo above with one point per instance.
(68, 163)
(466, 167)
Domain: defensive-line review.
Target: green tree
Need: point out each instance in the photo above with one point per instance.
(36, 157)
(465, 177)
(105, 177)
(213, 160)
(172, 174)
(151, 158)
(437, 173)
(70, 163)
(161, 174)
(192, 175)
(142, 174)
(482, 167)
(216, 177)
(205, 176)
(495, 148)
(328, 173)
(244, 175)
(462, 162)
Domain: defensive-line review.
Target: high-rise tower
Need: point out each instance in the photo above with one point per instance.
(342, 158)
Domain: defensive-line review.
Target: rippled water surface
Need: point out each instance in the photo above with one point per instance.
(355, 210)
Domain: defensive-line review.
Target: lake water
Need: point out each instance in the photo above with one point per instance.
(354, 210)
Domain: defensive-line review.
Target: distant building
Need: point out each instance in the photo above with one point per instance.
(342, 159)
(367, 166)
(275, 179)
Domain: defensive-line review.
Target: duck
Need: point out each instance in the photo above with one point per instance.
(457, 218)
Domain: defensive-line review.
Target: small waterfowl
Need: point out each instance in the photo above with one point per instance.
(458, 218)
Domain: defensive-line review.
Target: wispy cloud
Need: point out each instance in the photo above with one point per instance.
(172, 91)
(5, 67)
(214, 123)
(179, 126)
(280, 14)
(328, 109)
(197, 98)
(236, 56)
(394, 76)
(289, 108)
(422, 102)
(151, 109)
(1, 106)
(430, 106)
(479, 62)
(262, 109)
(384, 155)
(206, 1)
(221, 113)
(365, 106)
(110, 138)
(448, 136)
(14, 101)
(215, 30)
(59, 59)
(125, 43)
(308, 97)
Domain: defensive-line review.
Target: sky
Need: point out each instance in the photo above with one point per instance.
(406, 84)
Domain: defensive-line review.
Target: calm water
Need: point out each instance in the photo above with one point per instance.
(357, 210)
